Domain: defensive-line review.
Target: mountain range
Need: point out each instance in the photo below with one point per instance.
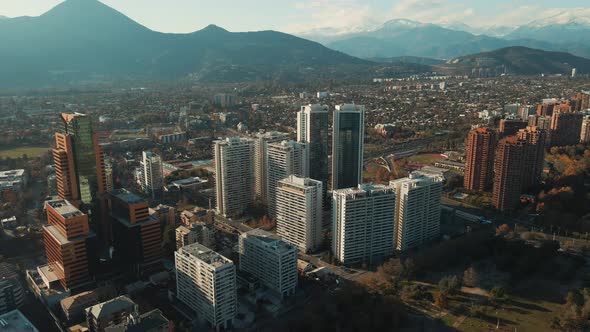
(81, 40)
(516, 60)
(564, 32)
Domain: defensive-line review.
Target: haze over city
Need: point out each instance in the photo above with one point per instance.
(294, 166)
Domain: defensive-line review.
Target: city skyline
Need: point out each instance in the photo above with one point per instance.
(182, 16)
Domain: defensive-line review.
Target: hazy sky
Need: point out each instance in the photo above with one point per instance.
(304, 15)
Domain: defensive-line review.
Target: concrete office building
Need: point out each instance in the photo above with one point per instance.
(261, 142)
(479, 159)
(363, 223)
(283, 159)
(418, 209)
(152, 174)
(233, 175)
(299, 212)
(348, 146)
(312, 128)
(206, 283)
(270, 259)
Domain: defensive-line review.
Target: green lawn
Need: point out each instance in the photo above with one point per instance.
(522, 314)
(30, 151)
(425, 158)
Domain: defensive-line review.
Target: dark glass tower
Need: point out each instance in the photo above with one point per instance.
(348, 146)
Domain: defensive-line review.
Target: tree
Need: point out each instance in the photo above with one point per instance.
(574, 297)
(503, 229)
(498, 294)
(449, 284)
(471, 277)
(441, 300)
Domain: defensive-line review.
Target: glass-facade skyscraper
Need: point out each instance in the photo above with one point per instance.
(348, 146)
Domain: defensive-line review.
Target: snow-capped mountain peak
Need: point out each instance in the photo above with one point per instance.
(579, 17)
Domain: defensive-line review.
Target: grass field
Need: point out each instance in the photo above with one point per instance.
(521, 314)
(30, 151)
(425, 158)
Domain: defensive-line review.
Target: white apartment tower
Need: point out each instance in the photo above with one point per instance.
(299, 212)
(348, 146)
(152, 175)
(283, 159)
(262, 140)
(363, 223)
(418, 209)
(206, 283)
(270, 259)
(233, 175)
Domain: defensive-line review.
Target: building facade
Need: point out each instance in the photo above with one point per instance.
(299, 212)
(261, 142)
(418, 209)
(233, 175)
(536, 139)
(283, 159)
(363, 224)
(509, 167)
(565, 128)
(312, 128)
(206, 283)
(270, 259)
(137, 235)
(70, 245)
(479, 159)
(585, 130)
(348, 146)
(197, 232)
(152, 179)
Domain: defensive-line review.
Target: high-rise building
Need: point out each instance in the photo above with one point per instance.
(418, 209)
(233, 175)
(509, 167)
(565, 128)
(543, 122)
(479, 159)
(261, 142)
(206, 283)
(509, 127)
(270, 259)
(348, 146)
(70, 245)
(585, 132)
(152, 180)
(284, 159)
(137, 235)
(79, 160)
(536, 144)
(12, 294)
(299, 212)
(312, 128)
(581, 101)
(525, 111)
(363, 223)
(80, 172)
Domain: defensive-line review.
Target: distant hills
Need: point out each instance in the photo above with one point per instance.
(516, 60)
(401, 37)
(85, 40)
